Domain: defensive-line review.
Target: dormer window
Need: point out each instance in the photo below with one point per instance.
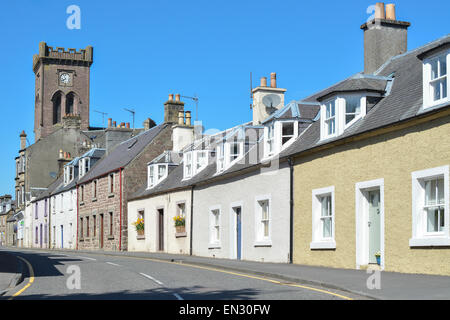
(279, 135)
(228, 153)
(84, 166)
(156, 174)
(194, 162)
(68, 174)
(435, 73)
(341, 112)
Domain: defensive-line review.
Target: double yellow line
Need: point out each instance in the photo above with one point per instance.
(30, 281)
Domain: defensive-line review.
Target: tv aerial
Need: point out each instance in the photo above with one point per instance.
(103, 116)
(132, 112)
(195, 99)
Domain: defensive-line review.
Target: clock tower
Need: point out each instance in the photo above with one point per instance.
(61, 87)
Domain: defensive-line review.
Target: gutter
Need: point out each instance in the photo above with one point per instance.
(291, 209)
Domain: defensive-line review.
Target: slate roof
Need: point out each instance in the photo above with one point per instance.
(123, 153)
(53, 186)
(398, 82)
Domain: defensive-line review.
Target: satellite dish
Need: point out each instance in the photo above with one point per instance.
(271, 100)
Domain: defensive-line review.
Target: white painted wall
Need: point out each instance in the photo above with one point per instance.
(244, 190)
(64, 213)
(168, 202)
(28, 227)
(39, 219)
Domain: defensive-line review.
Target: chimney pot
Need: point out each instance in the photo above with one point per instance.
(273, 80)
(177, 97)
(390, 11)
(61, 154)
(171, 97)
(379, 11)
(128, 125)
(109, 122)
(263, 82)
(188, 118)
(114, 123)
(180, 117)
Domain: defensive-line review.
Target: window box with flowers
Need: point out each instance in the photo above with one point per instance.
(180, 226)
(139, 225)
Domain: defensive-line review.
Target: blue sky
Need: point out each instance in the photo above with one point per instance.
(146, 49)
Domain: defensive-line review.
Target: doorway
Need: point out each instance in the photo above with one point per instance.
(238, 211)
(161, 229)
(62, 237)
(370, 224)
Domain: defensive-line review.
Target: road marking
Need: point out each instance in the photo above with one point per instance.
(30, 281)
(87, 258)
(248, 276)
(113, 264)
(178, 296)
(150, 277)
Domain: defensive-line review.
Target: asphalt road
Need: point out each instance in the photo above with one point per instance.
(73, 275)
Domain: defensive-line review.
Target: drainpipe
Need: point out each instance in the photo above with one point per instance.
(291, 209)
(78, 218)
(120, 209)
(192, 219)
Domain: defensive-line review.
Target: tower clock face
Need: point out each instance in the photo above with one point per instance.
(64, 78)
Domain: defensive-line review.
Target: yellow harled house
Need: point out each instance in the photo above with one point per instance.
(371, 174)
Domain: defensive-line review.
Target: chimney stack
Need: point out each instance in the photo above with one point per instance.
(172, 107)
(273, 80)
(23, 140)
(384, 37)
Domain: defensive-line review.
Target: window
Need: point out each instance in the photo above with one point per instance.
(45, 208)
(182, 209)
(82, 193)
(323, 219)
(220, 157)
(287, 131)
(187, 164)
(330, 118)
(81, 228)
(111, 224)
(36, 236)
(201, 160)
(341, 112)
(430, 193)
(270, 140)
(234, 150)
(94, 220)
(94, 189)
(214, 237)
(84, 166)
(352, 108)
(54, 204)
(36, 210)
(111, 183)
(263, 218)
(156, 173)
(87, 227)
(436, 80)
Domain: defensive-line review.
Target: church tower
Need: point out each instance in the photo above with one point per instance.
(61, 87)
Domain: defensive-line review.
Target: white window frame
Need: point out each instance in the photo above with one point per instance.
(427, 88)
(340, 113)
(228, 145)
(215, 243)
(154, 169)
(188, 165)
(84, 166)
(420, 237)
(220, 155)
(318, 241)
(260, 239)
(196, 160)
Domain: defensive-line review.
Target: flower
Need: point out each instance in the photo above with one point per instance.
(179, 221)
(378, 254)
(139, 224)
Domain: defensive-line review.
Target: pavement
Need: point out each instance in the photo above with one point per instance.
(391, 285)
(11, 269)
